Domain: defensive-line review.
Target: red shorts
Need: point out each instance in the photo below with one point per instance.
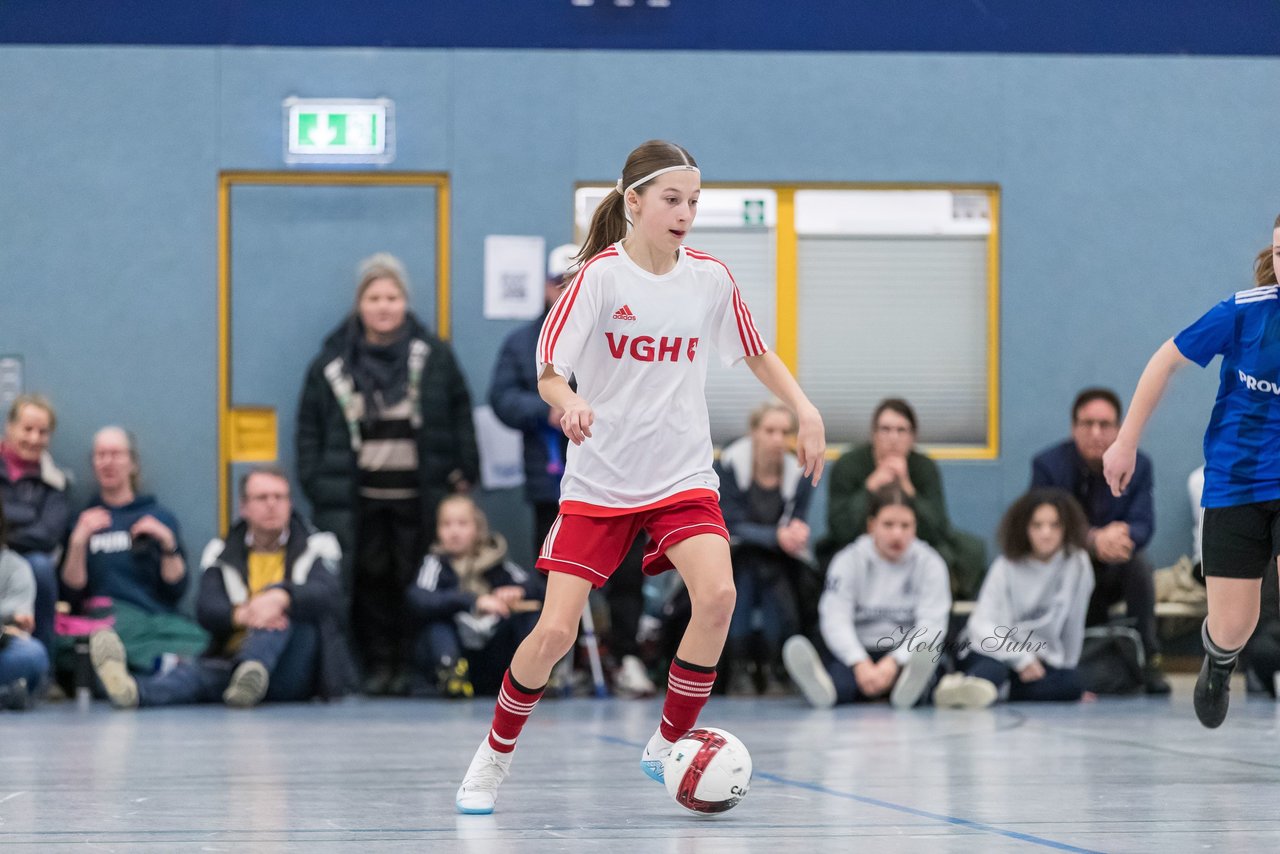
(591, 546)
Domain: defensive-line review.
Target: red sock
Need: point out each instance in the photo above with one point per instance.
(688, 688)
(515, 704)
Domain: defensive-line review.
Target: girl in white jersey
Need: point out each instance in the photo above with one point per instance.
(633, 328)
(1241, 532)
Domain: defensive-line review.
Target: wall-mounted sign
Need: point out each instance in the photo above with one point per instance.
(325, 130)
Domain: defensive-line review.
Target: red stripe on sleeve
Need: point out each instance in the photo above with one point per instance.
(554, 326)
(752, 343)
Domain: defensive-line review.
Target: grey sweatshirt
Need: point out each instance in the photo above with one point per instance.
(872, 603)
(1029, 609)
(17, 586)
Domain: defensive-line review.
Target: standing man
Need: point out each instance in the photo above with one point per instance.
(513, 394)
(1119, 528)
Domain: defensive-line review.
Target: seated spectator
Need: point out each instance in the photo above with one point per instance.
(127, 547)
(765, 500)
(890, 458)
(23, 660)
(1119, 528)
(271, 598)
(472, 605)
(1027, 629)
(883, 615)
(34, 493)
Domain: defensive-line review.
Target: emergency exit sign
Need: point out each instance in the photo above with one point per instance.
(338, 131)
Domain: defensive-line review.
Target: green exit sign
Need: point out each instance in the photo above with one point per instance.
(338, 131)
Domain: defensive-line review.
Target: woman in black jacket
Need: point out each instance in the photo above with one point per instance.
(384, 433)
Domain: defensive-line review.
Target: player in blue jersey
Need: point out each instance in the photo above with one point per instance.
(1242, 464)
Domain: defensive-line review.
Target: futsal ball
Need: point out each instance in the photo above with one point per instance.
(708, 771)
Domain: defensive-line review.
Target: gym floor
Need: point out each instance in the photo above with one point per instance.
(1127, 774)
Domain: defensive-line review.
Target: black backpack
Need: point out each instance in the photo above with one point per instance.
(1112, 660)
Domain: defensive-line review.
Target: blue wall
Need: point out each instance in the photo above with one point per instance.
(1136, 192)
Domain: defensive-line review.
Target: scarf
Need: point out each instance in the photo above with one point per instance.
(380, 371)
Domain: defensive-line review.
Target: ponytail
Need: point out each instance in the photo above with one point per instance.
(608, 226)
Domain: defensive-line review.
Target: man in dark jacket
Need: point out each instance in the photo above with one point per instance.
(270, 598)
(1119, 528)
(513, 394)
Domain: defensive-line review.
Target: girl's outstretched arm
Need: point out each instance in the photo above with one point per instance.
(1121, 458)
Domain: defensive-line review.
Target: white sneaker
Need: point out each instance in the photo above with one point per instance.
(958, 691)
(655, 754)
(632, 680)
(479, 789)
(248, 685)
(914, 680)
(806, 669)
(106, 654)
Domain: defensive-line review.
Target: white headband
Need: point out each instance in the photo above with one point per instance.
(684, 167)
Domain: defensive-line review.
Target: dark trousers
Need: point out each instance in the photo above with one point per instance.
(765, 590)
(388, 548)
(1056, 684)
(438, 643)
(1262, 653)
(625, 595)
(1134, 584)
(46, 572)
(544, 516)
(291, 657)
(847, 690)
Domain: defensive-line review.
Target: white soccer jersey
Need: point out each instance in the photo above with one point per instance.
(636, 344)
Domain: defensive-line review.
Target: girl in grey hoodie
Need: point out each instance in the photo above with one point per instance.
(883, 615)
(1028, 626)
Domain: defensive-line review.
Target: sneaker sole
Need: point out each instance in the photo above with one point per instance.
(913, 681)
(965, 695)
(107, 656)
(806, 670)
(472, 810)
(653, 769)
(248, 686)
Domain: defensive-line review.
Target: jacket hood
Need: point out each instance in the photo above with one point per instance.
(740, 461)
(471, 569)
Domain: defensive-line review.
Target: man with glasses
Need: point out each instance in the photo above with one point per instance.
(270, 597)
(1119, 528)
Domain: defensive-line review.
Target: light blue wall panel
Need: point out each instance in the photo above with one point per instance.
(1135, 193)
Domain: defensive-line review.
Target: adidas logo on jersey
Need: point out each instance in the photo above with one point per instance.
(624, 313)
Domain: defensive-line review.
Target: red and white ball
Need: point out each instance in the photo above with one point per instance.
(708, 771)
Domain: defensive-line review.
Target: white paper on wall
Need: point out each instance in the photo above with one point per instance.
(501, 451)
(514, 276)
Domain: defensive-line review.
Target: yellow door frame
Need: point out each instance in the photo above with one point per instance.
(230, 179)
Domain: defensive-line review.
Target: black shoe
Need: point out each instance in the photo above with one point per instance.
(1153, 681)
(378, 682)
(1212, 694)
(14, 696)
(454, 680)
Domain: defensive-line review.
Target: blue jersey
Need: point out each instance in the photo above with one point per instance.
(1242, 442)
